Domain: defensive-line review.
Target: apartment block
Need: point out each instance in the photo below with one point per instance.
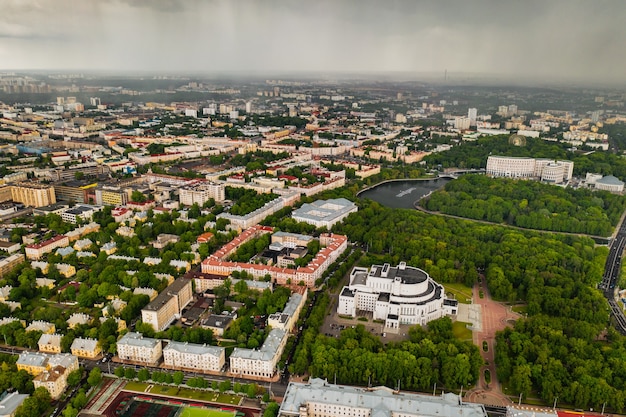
(194, 357)
(168, 305)
(33, 194)
(134, 347)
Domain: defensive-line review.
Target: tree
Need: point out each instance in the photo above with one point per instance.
(138, 197)
(119, 372)
(95, 377)
(271, 410)
(178, 377)
(74, 377)
(143, 375)
(130, 373)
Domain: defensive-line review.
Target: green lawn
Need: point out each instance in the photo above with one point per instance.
(520, 308)
(461, 292)
(460, 330)
(187, 393)
(202, 412)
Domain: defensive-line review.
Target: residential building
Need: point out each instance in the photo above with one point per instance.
(10, 262)
(255, 217)
(332, 247)
(54, 380)
(32, 362)
(194, 357)
(33, 194)
(79, 212)
(42, 326)
(318, 398)
(286, 320)
(202, 192)
(77, 319)
(10, 401)
(397, 295)
(259, 363)
(85, 348)
(168, 305)
(107, 195)
(134, 347)
(50, 343)
(325, 213)
(37, 250)
(164, 239)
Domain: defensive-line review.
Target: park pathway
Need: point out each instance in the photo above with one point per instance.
(495, 317)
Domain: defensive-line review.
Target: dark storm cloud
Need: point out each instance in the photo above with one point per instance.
(570, 39)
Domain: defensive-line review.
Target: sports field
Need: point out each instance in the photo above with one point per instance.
(203, 412)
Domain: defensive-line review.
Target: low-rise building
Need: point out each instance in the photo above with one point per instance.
(325, 213)
(194, 357)
(50, 343)
(85, 348)
(77, 319)
(10, 262)
(9, 402)
(41, 326)
(37, 250)
(133, 347)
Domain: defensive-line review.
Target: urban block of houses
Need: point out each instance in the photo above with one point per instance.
(259, 363)
(168, 305)
(397, 295)
(133, 347)
(50, 371)
(194, 357)
(332, 247)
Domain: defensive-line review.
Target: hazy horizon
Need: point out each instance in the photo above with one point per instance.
(557, 41)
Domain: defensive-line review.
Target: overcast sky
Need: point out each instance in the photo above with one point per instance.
(570, 39)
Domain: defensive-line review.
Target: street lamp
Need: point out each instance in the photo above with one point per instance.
(555, 400)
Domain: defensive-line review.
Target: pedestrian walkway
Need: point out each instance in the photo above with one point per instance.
(105, 395)
(472, 314)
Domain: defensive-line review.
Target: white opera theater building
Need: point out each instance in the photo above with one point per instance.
(397, 295)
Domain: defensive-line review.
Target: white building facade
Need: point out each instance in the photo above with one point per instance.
(194, 357)
(397, 295)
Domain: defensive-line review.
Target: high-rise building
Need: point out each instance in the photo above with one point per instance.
(33, 194)
(472, 114)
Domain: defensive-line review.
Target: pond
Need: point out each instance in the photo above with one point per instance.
(403, 193)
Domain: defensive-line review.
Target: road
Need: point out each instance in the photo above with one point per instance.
(611, 275)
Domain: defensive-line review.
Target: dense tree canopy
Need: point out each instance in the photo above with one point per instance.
(529, 204)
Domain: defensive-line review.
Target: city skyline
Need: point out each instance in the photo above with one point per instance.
(544, 41)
